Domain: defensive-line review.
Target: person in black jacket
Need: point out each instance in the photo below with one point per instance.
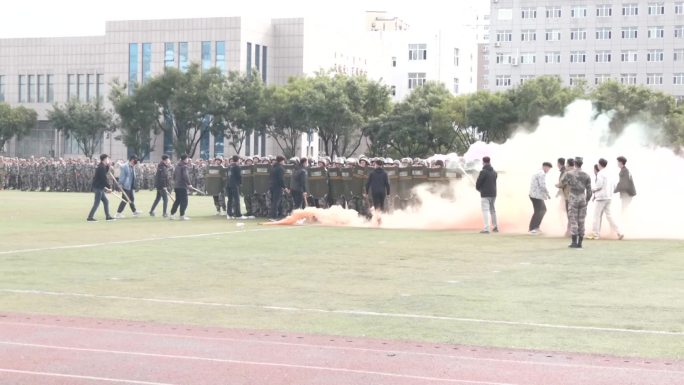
(378, 186)
(233, 188)
(101, 187)
(277, 186)
(299, 185)
(486, 185)
(161, 183)
(181, 179)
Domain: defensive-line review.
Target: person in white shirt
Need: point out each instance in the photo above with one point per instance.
(538, 194)
(603, 194)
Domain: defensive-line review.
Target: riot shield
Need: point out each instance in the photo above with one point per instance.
(404, 183)
(358, 184)
(262, 178)
(247, 187)
(347, 176)
(288, 170)
(318, 182)
(437, 176)
(215, 179)
(335, 182)
(418, 175)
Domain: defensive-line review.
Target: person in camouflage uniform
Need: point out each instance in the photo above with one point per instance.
(579, 183)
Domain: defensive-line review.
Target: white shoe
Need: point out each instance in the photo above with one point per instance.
(228, 217)
(218, 213)
(119, 216)
(534, 232)
(185, 218)
(172, 217)
(137, 213)
(243, 217)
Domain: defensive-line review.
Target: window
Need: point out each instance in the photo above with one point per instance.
(679, 8)
(456, 57)
(656, 8)
(31, 89)
(529, 13)
(456, 85)
(394, 61)
(146, 62)
(132, 70)
(503, 80)
(553, 34)
(40, 95)
(578, 11)
(528, 35)
(71, 86)
(169, 54)
(90, 87)
(22, 92)
(81, 84)
(678, 79)
(604, 10)
(206, 55)
(600, 78)
(576, 79)
(221, 55)
(49, 85)
(524, 78)
(249, 58)
(503, 58)
(416, 79)
(656, 32)
(553, 12)
(654, 78)
(578, 34)
(655, 55)
(679, 31)
(528, 58)
(679, 99)
(603, 33)
(629, 32)
(628, 56)
(264, 68)
(552, 57)
(183, 60)
(257, 57)
(504, 35)
(417, 51)
(679, 55)
(629, 79)
(603, 56)
(630, 9)
(99, 88)
(2, 88)
(578, 57)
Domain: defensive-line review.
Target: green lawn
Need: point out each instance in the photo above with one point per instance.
(635, 285)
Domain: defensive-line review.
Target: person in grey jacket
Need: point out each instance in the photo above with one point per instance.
(299, 185)
(161, 183)
(538, 194)
(625, 186)
(182, 184)
(127, 183)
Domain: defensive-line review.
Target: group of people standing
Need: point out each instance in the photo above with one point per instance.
(576, 188)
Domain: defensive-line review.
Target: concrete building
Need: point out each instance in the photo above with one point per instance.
(38, 72)
(631, 41)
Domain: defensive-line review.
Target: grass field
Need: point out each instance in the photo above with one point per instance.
(441, 286)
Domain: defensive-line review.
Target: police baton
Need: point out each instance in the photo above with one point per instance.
(168, 194)
(123, 192)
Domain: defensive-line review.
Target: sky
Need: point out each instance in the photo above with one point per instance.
(52, 18)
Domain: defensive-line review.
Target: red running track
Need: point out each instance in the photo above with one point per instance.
(49, 350)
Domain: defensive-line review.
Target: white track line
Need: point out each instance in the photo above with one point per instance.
(256, 363)
(349, 348)
(45, 374)
(87, 245)
(348, 312)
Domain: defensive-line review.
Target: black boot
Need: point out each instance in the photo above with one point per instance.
(579, 241)
(573, 245)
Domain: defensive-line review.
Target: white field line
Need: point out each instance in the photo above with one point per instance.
(88, 245)
(60, 375)
(332, 347)
(347, 312)
(255, 363)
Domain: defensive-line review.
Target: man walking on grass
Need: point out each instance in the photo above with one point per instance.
(182, 185)
(603, 193)
(486, 185)
(100, 188)
(538, 194)
(579, 183)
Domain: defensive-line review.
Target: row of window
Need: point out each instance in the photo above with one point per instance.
(602, 10)
(35, 88)
(629, 79)
(2, 88)
(626, 56)
(602, 33)
(260, 59)
(85, 87)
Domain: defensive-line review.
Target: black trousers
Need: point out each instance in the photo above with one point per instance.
(539, 212)
(379, 201)
(181, 201)
(123, 204)
(162, 195)
(100, 196)
(276, 199)
(298, 199)
(234, 202)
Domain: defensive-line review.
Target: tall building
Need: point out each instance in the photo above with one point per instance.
(38, 72)
(631, 41)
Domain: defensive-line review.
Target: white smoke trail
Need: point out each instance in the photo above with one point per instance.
(655, 212)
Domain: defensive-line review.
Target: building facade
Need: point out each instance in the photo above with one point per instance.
(39, 72)
(639, 42)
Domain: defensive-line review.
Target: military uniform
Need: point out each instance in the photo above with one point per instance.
(579, 183)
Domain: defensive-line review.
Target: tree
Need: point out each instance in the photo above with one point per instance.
(493, 114)
(541, 96)
(286, 110)
(15, 122)
(85, 122)
(139, 118)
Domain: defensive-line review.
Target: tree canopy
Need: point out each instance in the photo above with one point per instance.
(15, 122)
